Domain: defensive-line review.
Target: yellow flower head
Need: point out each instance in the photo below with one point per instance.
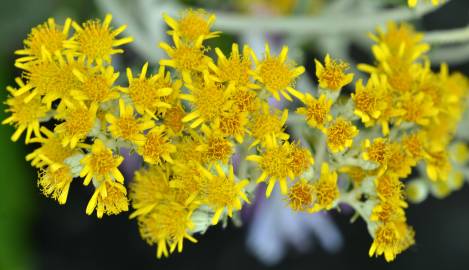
(55, 184)
(173, 119)
(168, 225)
(96, 40)
(234, 125)
(275, 164)
(127, 126)
(192, 25)
(157, 147)
(277, 74)
(146, 93)
(301, 196)
(109, 198)
(24, 116)
(326, 190)
(185, 58)
(101, 165)
(332, 74)
(418, 109)
(340, 135)
(265, 123)
(389, 188)
(224, 193)
(378, 151)
(316, 111)
(301, 159)
(413, 3)
(369, 101)
(237, 68)
(78, 123)
(398, 162)
(97, 84)
(414, 145)
(51, 153)
(391, 239)
(209, 101)
(244, 100)
(438, 165)
(388, 211)
(46, 38)
(215, 147)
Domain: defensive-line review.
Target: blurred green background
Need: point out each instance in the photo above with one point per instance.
(37, 233)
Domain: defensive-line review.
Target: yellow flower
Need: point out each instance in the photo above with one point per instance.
(244, 100)
(47, 37)
(265, 123)
(388, 211)
(237, 68)
(157, 147)
(332, 74)
(208, 101)
(414, 145)
(413, 3)
(398, 162)
(355, 173)
(215, 147)
(96, 84)
(185, 58)
(438, 165)
(377, 151)
(127, 126)
(78, 123)
(101, 165)
(146, 93)
(340, 135)
(418, 109)
(173, 119)
(234, 125)
(277, 74)
(96, 40)
(24, 116)
(368, 100)
(109, 198)
(51, 153)
(224, 193)
(391, 239)
(53, 79)
(300, 159)
(192, 25)
(326, 190)
(316, 111)
(390, 188)
(301, 196)
(55, 184)
(168, 225)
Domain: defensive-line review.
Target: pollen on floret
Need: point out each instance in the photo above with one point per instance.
(340, 135)
(332, 75)
(378, 151)
(96, 40)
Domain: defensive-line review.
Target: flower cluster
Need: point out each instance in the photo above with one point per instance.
(208, 131)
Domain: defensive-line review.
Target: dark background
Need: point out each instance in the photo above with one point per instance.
(37, 233)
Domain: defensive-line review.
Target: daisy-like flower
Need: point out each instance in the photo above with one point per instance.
(224, 193)
(24, 116)
(332, 75)
(391, 239)
(45, 38)
(368, 100)
(236, 68)
(184, 57)
(279, 162)
(97, 84)
(53, 79)
(340, 134)
(96, 40)
(147, 93)
(301, 196)
(55, 183)
(192, 24)
(316, 111)
(378, 151)
(208, 101)
(418, 109)
(265, 123)
(127, 126)
(157, 147)
(277, 74)
(438, 166)
(101, 165)
(326, 190)
(51, 153)
(215, 147)
(234, 125)
(79, 120)
(109, 198)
